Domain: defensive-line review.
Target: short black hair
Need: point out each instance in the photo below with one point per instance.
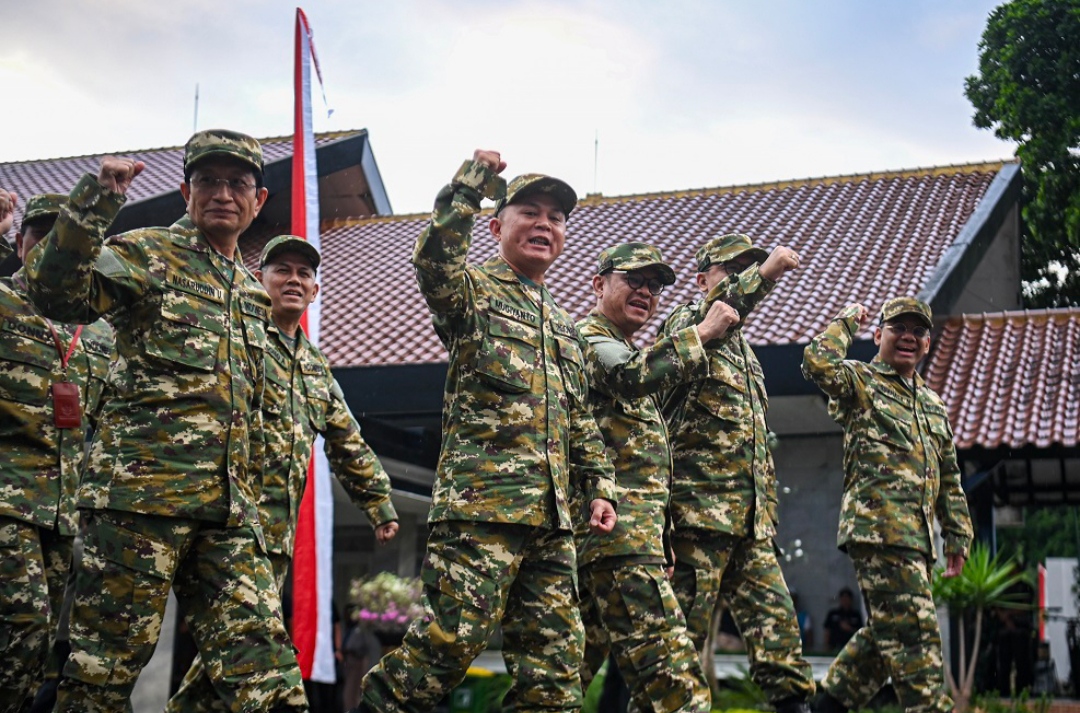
(847, 591)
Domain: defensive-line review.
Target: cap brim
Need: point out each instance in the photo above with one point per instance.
(667, 275)
(918, 315)
(224, 154)
(564, 195)
(759, 255)
(300, 247)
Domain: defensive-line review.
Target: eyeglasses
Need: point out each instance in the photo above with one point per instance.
(236, 186)
(635, 280)
(900, 329)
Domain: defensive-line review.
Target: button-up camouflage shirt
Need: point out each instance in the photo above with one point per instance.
(517, 433)
(190, 333)
(40, 466)
(724, 479)
(303, 400)
(624, 383)
(900, 464)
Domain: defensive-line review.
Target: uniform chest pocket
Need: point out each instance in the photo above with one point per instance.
(508, 356)
(889, 420)
(188, 331)
(276, 392)
(938, 423)
(724, 393)
(317, 389)
(27, 373)
(572, 365)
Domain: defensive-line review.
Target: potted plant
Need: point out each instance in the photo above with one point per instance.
(985, 583)
(386, 604)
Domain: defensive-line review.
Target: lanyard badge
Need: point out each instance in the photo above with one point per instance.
(67, 411)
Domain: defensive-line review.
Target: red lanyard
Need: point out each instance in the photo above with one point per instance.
(64, 358)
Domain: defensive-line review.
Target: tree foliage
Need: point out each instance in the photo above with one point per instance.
(1028, 91)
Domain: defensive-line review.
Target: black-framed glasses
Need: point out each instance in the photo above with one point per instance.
(209, 184)
(635, 280)
(900, 329)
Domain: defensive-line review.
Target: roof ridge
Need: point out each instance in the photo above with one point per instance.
(126, 152)
(944, 170)
(1013, 313)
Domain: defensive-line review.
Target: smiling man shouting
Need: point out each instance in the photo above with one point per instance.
(900, 469)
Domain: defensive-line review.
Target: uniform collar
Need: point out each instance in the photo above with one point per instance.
(500, 269)
(609, 326)
(889, 371)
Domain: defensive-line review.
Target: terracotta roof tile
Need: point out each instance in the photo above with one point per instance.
(862, 238)
(163, 173)
(1010, 378)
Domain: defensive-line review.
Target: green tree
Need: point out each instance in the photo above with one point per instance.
(1028, 91)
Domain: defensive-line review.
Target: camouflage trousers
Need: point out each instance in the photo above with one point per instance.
(224, 585)
(630, 609)
(900, 640)
(475, 576)
(34, 563)
(196, 693)
(746, 574)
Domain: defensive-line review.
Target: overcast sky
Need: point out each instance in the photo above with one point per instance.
(682, 94)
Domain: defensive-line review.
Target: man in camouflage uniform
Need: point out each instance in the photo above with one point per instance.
(169, 490)
(900, 468)
(517, 437)
(628, 605)
(7, 219)
(41, 459)
(302, 400)
(723, 497)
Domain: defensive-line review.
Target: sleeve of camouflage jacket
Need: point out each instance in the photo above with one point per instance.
(70, 277)
(742, 292)
(951, 507)
(591, 472)
(617, 370)
(442, 249)
(823, 358)
(353, 462)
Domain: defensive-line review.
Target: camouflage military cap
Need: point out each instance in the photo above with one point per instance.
(290, 244)
(222, 142)
(907, 305)
(727, 247)
(44, 205)
(635, 256)
(531, 183)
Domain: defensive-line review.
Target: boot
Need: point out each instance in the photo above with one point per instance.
(825, 703)
(792, 704)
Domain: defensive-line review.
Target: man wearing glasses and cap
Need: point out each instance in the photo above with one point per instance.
(517, 439)
(723, 497)
(42, 446)
(900, 469)
(628, 605)
(302, 400)
(169, 490)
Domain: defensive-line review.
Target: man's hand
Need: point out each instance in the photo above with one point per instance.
(386, 531)
(7, 210)
(718, 320)
(781, 260)
(603, 517)
(859, 312)
(954, 564)
(116, 174)
(491, 159)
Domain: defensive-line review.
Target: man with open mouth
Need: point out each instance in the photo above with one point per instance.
(900, 469)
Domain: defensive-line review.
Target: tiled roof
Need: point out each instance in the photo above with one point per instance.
(1010, 379)
(862, 238)
(163, 172)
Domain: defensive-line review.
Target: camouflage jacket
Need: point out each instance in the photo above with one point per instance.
(517, 433)
(623, 387)
(303, 400)
(900, 462)
(173, 438)
(39, 470)
(724, 479)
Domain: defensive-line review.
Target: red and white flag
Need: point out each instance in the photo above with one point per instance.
(312, 628)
